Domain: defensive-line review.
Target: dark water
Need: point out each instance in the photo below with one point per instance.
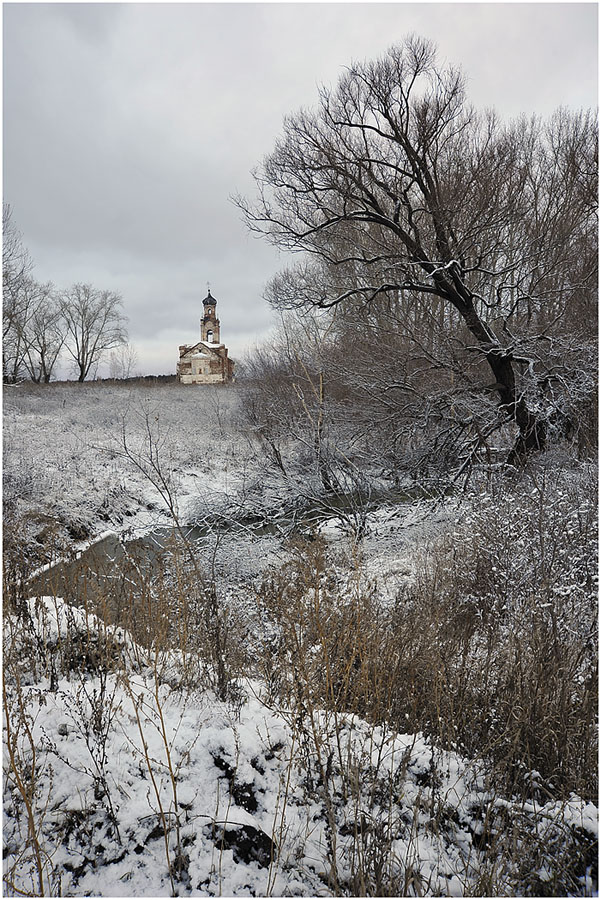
(110, 574)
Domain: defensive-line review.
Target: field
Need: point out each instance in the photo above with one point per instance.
(393, 694)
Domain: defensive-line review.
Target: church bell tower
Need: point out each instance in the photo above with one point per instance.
(209, 324)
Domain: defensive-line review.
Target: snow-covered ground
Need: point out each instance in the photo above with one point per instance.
(63, 447)
(79, 461)
(126, 774)
(144, 787)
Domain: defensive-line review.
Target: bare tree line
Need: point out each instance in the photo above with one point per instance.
(41, 322)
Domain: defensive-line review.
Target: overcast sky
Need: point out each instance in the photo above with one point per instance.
(127, 127)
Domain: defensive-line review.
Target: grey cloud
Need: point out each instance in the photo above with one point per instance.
(127, 127)
(93, 22)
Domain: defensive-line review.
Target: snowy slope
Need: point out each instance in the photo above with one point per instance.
(145, 787)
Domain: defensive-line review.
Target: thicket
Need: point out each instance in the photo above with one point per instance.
(492, 650)
(490, 653)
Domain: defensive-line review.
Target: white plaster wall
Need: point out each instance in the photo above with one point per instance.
(201, 379)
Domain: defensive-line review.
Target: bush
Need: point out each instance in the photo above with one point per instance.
(492, 650)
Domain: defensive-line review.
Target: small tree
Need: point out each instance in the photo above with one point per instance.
(94, 324)
(123, 362)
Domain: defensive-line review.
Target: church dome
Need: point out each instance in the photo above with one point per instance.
(209, 300)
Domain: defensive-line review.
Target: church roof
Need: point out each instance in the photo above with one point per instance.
(208, 299)
(195, 351)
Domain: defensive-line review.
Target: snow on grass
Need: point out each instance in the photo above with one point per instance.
(137, 781)
(62, 443)
(145, 787)
(67, 481)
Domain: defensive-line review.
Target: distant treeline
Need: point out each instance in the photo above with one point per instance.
(142, 379)
(134, 379)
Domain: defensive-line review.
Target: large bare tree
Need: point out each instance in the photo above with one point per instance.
(94, 323)
(404, 189)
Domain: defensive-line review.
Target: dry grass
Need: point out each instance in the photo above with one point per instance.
(491, 652)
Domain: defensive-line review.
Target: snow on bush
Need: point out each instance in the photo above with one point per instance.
(125, 775)
(124, 782)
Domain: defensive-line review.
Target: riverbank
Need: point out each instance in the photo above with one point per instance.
(83, 460)
(390, 697)
(174, 792)
(67, 480)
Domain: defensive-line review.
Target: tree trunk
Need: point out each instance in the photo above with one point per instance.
(532, 435)
(324, 473)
